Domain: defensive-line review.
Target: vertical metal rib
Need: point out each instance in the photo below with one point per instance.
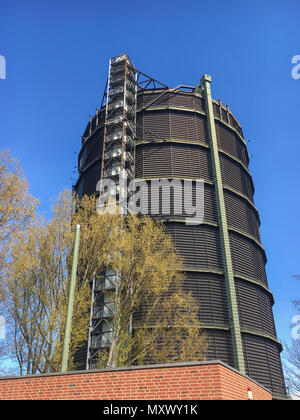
(226, 253)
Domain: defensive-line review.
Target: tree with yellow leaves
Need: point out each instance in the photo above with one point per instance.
(153, 319)
(37, 289)
(17, 206)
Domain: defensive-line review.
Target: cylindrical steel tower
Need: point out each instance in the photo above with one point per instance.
(184, 134)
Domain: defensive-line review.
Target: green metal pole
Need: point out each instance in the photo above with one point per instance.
(224, 235)
(67, 336)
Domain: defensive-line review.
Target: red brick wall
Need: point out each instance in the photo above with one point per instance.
(189, 381)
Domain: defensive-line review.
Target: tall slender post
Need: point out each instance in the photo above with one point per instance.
(223, 227)
(67, 336)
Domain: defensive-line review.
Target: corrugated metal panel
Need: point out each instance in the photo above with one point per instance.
(247, 258)
(241, 152)
(183, 126)
(145, 99)
(216, 109)
(226, 139)
(172, 160)
(80, 357)
(210, 208)
(231, 143)
(178, 99)
(224, 115)
(220, 346)
(199, 245)
(188, 127)
(153, 160)
(208, 289)
(234, 123)
(263, 362)
(199, 103)
(235, 177)
(183, 100)
(241, 215)
(140, 126)
(177, 125)
(191, 161)
(91, 177)
(91, 150)
(201, 129)
(255, 308)
(186, 100)
(156, 124)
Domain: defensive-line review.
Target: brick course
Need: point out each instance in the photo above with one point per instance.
(186, 381)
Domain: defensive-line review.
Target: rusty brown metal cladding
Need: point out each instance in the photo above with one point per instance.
(172, 142)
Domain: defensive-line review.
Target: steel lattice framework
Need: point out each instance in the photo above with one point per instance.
(117, 163)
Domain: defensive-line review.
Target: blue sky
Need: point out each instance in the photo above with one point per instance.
(57, 56)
